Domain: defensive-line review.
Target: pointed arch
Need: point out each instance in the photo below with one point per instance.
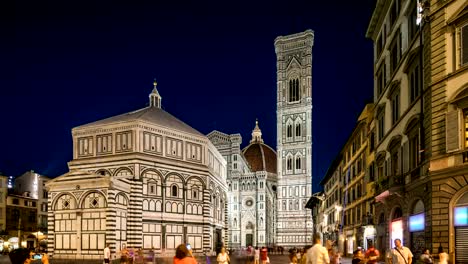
(145, 205)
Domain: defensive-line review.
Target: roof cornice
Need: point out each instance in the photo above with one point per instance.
(379, 7)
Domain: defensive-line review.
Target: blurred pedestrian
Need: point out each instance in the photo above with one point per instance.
(401, 254)
(183, 256)
(372, 254)
(107, 254)
(317, 254)
(426, 257)
(443, 257)
(223, 257)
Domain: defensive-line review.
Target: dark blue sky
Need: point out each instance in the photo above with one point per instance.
(67, 63)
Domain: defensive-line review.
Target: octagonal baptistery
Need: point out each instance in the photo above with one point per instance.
(141, 180)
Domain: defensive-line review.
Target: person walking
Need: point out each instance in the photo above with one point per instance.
(257, 255)
(107, 254)
(443, 257)
(124, 255)
(264, 255)
(317, 254)
(372, 254)
(223, 257)
(401, 254)
(426, 257)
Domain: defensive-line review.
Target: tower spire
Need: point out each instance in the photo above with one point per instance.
(256, 134)
(154, 97)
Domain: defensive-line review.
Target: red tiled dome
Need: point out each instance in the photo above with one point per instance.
(260, 157)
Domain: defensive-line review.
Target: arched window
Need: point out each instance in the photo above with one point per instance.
(289, 131)
(284, 205)
(294, 90)
(174, 191)
(289, 164)
(298, 162)
(298, 130)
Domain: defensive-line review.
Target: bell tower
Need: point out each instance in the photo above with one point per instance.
(294, 137)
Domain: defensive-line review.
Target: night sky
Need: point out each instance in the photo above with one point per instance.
(68, 63)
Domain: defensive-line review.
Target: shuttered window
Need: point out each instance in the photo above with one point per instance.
(464, 45)
(452, 126)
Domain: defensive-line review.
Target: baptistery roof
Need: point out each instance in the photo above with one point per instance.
(152, 114)
(260, 156)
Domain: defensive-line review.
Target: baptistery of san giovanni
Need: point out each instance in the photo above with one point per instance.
(143, 179)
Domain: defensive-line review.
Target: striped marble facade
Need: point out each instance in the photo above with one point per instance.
(141, 180)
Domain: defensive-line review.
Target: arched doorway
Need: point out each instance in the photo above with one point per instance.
(416, 226)
(396, 226)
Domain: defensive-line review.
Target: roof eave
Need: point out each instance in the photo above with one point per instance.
(374, 19)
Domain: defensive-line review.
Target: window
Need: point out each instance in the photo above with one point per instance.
(289, 164)
(464, 45)
(413, 150)
(25, 203)
(104, 144)
(151, 188)
(174, 191)
(294, 90)
(379, 45)
(289, 131)
(44, 194)
(33, 204)
(371, 172)
(381, 78)
(395, 162)
(396, 106)
(393, 13)
(298, 163)
(415, 82)
(284, 205)
(298, 130)
(412, 26)
(381, 125)
(395, 51)
(261, 185)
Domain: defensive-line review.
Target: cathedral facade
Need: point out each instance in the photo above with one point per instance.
(252, 185)
(143, 179)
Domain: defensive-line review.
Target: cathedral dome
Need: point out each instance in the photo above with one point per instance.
(260, 156)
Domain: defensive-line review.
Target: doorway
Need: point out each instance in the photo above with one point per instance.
(249, 240)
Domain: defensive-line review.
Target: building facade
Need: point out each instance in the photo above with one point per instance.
(421, 73)
(252, 185)
(143, 179)
(3, 201)
(32, 184)
(294, 137)
(348, 188)
(21, 220)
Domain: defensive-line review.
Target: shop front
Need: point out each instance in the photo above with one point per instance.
(460, 224)
(396, 227)
(416, 226)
